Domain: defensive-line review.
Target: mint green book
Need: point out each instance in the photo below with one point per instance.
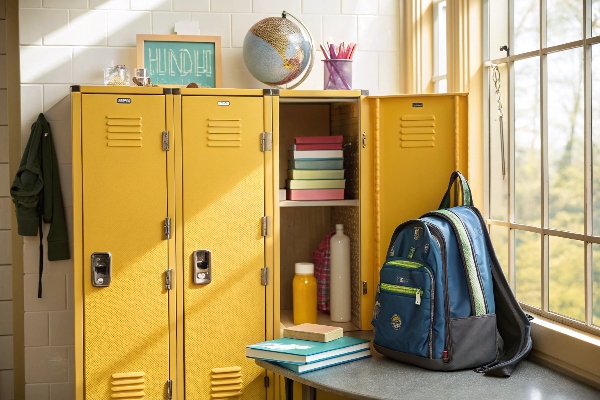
(304, 351)
(330, 362)
(316, 183)
(332, 163)
(315, 174)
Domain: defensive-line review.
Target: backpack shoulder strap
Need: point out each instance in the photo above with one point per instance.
(512, 322)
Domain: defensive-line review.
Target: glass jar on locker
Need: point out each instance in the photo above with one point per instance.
(304, 294)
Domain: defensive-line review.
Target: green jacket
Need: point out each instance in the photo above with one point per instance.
(36, 189)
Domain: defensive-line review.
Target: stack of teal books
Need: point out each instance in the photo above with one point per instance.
(316, 169)
(302, 356)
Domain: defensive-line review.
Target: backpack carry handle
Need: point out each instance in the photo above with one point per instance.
(467, 199)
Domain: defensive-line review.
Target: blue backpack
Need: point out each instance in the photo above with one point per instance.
(443, 302)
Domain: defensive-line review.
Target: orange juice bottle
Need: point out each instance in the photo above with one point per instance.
(304, 294)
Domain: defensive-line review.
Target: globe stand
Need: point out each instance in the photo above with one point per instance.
(284, 14)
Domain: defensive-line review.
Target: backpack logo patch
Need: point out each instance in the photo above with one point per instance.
(396, 322)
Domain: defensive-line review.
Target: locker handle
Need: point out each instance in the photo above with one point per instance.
(101, 269)
(202, 267)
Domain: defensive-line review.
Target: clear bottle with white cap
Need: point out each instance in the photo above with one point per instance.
(304, 293)
(339, 292)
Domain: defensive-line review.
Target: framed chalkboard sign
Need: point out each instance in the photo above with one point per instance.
(178, 60)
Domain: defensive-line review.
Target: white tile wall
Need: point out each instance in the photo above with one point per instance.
(192, 5)
(3, 147)
(233, 6)
(109, 4)
(6, 318)
(3, 107)
(5, 212)
(151, 5)
(65, 42)
(6, 384)
(276, 7)
(5, 240)
(6, 349)
(163, 23)
(3, 77)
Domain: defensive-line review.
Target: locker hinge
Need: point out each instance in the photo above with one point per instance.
(264, 277)
(364, 287)
(267, 381)
(168, 279)
(169, 389)
(165, 140)
(266, 141)
(167, 228)
(264, 228)
(364, 140)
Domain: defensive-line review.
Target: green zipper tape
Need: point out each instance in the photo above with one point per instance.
(404, 290)
(404, 263)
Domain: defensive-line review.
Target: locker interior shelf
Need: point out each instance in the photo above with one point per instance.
(287, 320)
(292, 203)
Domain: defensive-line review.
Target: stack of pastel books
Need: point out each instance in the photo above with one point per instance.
(297, 353)
(316, 169)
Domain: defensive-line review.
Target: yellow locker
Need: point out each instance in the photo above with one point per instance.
(213, 161)
(124, 253)
(223, 204)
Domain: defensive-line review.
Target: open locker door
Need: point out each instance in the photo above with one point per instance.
(418, 141)
(223, 186)
(125, 252)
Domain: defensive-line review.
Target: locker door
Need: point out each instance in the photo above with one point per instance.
(223, 202)
(124, 208)
(422, 139)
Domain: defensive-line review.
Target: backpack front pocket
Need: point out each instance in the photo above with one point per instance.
(403, 320)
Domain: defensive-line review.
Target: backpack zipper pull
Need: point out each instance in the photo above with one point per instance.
(418, 297)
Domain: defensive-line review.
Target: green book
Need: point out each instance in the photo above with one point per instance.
(305, 351)
(332, 163)
(315, 174)
(316, 183)
(330, 362)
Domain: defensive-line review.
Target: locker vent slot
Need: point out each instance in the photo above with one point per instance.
(417, 131)
(128, 385)
(124, 131)
(226, 382)
(224, 132)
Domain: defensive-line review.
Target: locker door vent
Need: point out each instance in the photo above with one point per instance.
(224, 132)
(417, 131)
(226, 382)
(128, 385)
(124, 131)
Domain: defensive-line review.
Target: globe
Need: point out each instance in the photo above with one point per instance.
(277, 51)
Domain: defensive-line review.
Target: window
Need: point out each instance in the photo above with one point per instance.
(544, 209)
(439, 47)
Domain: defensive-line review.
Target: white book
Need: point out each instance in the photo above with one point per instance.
(315, 154)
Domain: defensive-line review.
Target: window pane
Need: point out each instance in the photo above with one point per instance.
(596, 285)
(565, 139)
(498, 185)
(442, 86)
(499, 236)
(596, 138)
(441, 37)
(564, 20)
(527, 25)
(528, 265)
(595, 17)
(527, 142)
(567, 290)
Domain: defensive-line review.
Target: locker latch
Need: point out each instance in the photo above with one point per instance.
(266, 141)
(364, 140)
(101, 269)
(165, 140)
(202, 267)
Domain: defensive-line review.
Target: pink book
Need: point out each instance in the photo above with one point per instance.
(315, 194)
(318, 146)
(318, 139)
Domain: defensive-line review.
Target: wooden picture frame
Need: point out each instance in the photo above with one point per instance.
(178, 60)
